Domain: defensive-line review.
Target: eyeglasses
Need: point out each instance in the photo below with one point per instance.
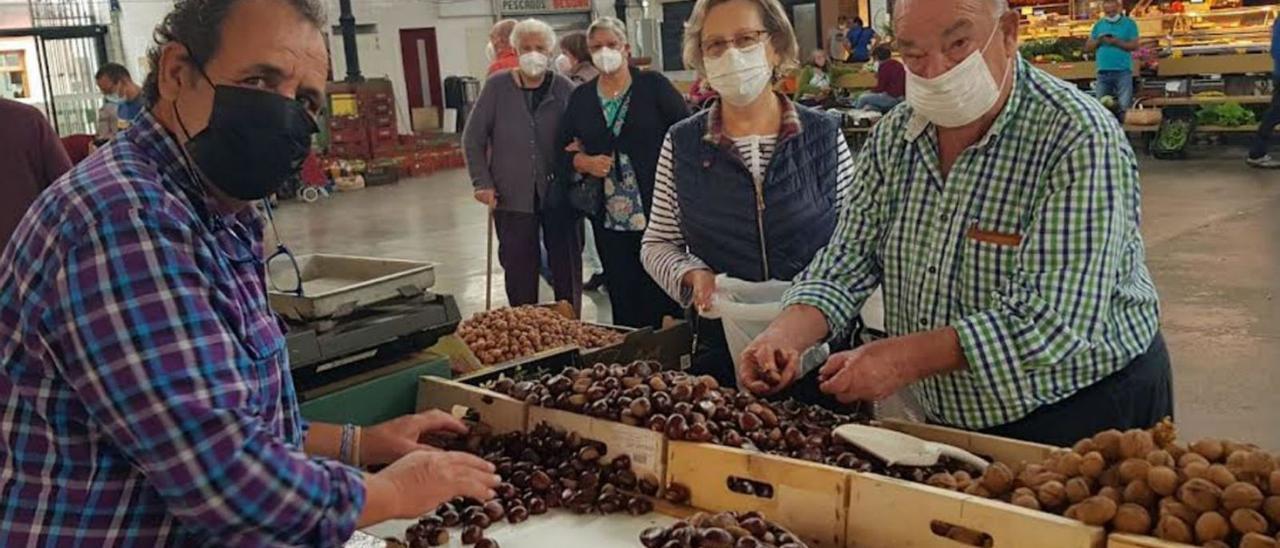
(283, 272)
(716, 47)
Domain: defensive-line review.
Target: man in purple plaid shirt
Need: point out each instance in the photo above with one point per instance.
(144, 387)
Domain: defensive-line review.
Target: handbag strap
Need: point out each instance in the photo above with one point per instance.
(619, 116)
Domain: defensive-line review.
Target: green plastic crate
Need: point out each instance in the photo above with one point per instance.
(377, 400)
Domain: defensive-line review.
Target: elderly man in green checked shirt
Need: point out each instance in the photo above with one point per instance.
(999, 210)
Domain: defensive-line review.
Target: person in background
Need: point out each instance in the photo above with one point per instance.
(574, 61)
(838, 40)
(146, 387)
(813, 84)
(118, 88)
(31, 158)
(1114, 38)
(1259, 152)
(700, 92)
(499, 51)
(860, 41)
(1017, 297)
(749, 187)
(612, 131)
(510, 146)
(891, 83)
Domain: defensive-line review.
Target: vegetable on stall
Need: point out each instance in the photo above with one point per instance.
(1228, 114)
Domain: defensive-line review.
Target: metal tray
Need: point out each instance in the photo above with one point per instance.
(337, 285)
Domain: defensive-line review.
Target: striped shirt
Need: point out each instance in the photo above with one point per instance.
(144, 381)
(664, 252)
(1030, 249)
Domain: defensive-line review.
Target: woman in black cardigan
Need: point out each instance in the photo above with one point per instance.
(618, 122)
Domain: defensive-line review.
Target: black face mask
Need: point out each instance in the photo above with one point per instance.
(255, 141)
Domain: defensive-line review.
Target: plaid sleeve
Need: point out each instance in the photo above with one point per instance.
(158, 370)
(1056, 305)
(846, 271)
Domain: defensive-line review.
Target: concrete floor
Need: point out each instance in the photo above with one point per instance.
(1213, 243)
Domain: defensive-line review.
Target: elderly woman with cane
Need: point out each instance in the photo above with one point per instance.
(511, 151)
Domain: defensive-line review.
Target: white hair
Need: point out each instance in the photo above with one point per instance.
(533, 27)
(998, 7)
(611, 24)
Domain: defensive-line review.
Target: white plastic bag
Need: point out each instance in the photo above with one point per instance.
(746, 309)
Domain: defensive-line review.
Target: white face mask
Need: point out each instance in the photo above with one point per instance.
(1112, 18)
(739, 76)
(563, 65)
(489, 52)
(959, 96)
(534, 63)
(608, 60)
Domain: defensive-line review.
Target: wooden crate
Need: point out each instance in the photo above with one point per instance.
(890, 512)
(808, 499)
(1195, 65)
(647, 449)
(1008, 451)
(503, 413)
(1122, 540)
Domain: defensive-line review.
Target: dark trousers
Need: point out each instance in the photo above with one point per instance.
(519, 252)
(636, 299)
(1137, 396)
(1262, 141)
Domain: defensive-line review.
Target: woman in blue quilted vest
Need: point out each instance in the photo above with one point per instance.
(749, 187)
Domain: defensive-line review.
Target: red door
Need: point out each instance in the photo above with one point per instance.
(421, 69)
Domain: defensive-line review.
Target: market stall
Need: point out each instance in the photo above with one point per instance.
(663, 451)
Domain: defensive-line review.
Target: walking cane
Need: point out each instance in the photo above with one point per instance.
(488, 270)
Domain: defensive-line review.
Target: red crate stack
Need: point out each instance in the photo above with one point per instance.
(371, 133)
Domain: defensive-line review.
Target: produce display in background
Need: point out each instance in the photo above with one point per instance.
(507, 334)
(1227, 114)
(1210, 493)
(545, 469)
(1053, 50)
(726, 529)
(687, 408)
(1171, 140)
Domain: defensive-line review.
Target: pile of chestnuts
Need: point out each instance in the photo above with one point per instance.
(722, 530)
(544, 469)
(696, 408)
(506, 334)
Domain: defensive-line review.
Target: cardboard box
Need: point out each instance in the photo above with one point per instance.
(425, 120)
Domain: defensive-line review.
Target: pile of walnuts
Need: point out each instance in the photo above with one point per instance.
(507, 334)
(1211, 493)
